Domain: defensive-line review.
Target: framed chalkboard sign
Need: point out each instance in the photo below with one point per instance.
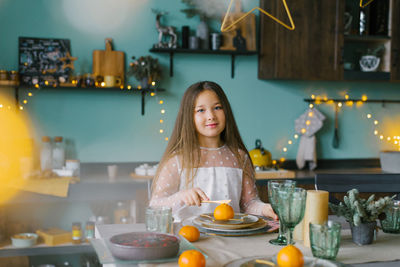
(39, 61)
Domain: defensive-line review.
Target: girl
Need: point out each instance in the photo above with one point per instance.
(206, 159)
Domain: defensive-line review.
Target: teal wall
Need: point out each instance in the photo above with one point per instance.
(107, 126)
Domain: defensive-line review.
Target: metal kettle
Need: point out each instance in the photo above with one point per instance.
(260, 157)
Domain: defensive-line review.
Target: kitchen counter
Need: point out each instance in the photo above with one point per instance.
(94, 186)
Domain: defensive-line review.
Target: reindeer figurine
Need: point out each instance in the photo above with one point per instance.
(164, 31)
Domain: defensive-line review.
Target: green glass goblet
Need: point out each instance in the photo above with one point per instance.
(291, 206)
(273, 187)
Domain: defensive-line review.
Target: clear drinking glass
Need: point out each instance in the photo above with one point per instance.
(159, 219)
(391, 224)
(291, 206)
(325, 239)
(273, 187)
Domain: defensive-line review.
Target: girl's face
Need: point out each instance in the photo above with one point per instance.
(209, 119)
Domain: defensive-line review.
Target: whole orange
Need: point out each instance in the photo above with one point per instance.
(290, 256)
(223, 212)
(192, 258)
(189, 232)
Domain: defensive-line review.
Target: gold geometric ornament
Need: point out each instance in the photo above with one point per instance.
(364, 5)
(225, 28)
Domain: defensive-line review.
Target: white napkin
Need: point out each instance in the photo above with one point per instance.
(307, 125)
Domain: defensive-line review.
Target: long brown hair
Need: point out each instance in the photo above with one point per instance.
(184, 142)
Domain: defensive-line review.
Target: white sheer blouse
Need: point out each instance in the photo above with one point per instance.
(219, 176)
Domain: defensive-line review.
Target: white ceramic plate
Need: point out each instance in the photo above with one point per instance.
(308, 262)
(239, 221)
(256, 226)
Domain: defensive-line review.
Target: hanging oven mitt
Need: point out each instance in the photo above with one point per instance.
(307, 125)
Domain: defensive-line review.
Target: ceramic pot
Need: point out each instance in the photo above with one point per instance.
(363, 234)
(145, 82)
(203, 33)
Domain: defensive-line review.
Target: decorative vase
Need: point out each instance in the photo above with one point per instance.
(203, 33)
(363, 234)
(144, 82)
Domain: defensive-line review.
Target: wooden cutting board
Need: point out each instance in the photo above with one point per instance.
(109, 62)
(247, 27)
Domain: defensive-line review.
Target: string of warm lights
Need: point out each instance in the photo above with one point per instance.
(394, 140)
(128, 87)
(285, 148)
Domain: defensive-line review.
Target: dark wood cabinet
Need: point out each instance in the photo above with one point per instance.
(319, 48)
(395, 41)
(310, 52)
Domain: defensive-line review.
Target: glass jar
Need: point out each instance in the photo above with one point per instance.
(76, 233)
(4, 75)
(46, 153)
(89, 230)
(120, 212)
(14, 76)
(58, 153)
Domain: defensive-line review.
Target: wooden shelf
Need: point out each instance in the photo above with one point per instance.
(8, 83)
(367, 38)
(343, 100)
(353, 75)
(7, 250)
(142, 91)
(232, 53)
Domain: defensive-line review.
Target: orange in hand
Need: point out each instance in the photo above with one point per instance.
(192, 258)
(223, 212)
(290, 256)
(189, 232)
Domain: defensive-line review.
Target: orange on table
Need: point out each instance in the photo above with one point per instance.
(290, 256)
(192, 258)
(191, 233)
(223, 212)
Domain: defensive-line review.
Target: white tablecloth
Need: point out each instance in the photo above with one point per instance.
(221, 250)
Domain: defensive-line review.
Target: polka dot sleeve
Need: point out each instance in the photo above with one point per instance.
(166, 191)
(249, 201)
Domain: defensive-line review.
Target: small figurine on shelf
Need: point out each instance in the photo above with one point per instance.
(145, 69)
(164, 31)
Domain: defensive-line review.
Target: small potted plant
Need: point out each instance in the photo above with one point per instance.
(361, 214)
(371, 59)
(145, 69)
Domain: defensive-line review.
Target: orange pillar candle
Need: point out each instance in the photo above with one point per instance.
(316, 211)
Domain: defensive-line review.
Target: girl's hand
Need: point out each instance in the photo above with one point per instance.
(193, 196)
(267, 211)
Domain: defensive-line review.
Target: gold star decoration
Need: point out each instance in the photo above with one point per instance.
(68, 61)
(364, 5)
(225, 28)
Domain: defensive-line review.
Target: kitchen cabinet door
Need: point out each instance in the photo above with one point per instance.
(395, 44)
(313, 51)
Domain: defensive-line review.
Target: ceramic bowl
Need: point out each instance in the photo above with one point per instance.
(143, 246)
(24, 240)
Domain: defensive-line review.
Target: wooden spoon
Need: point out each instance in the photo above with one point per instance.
(225, 201)
(270, 263)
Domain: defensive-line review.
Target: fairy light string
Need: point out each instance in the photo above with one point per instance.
(391, 139)
(161, 102)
